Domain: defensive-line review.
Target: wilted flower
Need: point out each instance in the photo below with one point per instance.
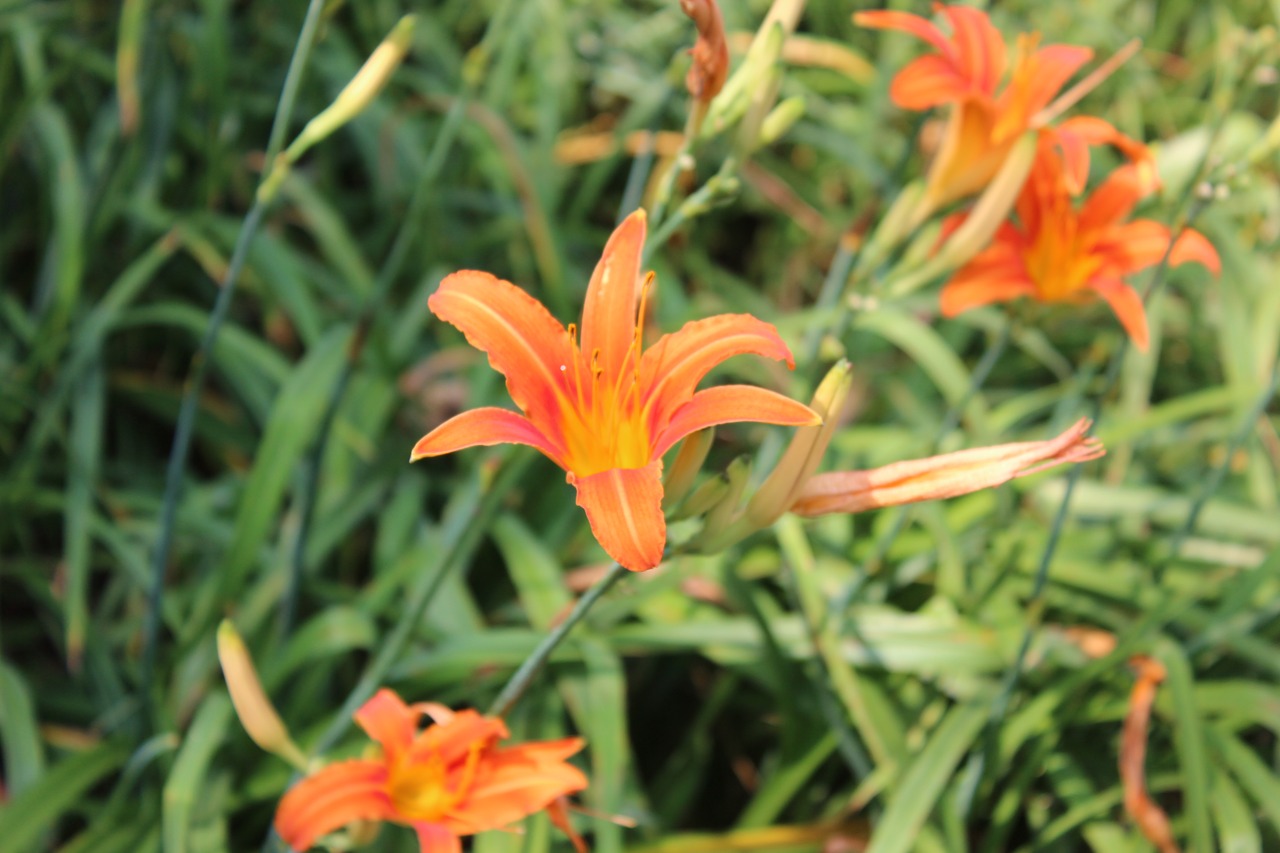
(603, 408)
(985, 120)
(945, 476)
(445, 781)
(710, 52)
(1058, 252)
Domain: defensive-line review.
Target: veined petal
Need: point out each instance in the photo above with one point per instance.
(671, 369)
(1127, 305)
(332, 798)
(927, 82)
(481, 428)
(523, 341)
(609, 313)
(726, 404)
(389, 721)
(624, 506)
(437, 838)
(980, 50)
(515, 782)
(906, 22)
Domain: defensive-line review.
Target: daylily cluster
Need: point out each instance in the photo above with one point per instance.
(1052, 250)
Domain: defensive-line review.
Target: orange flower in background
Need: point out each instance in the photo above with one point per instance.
(1058, 252)
(945, 476)
(985, 121)
(603, 408)
(446, 781)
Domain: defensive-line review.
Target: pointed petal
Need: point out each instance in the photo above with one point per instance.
(980, 48)
(609, 314)
(727, 404)
(517, 781)
(906, 22)
(1133, 246)
(1114, 199)
(1037, 78)
(481, 428)
(1191, 245)
(1127, 305)
(437, 838)
(558, 811)
(927, 82)
(624, 506)
(451, 741)
(332, 798)
(389, 721)
(524, 342)
(671, 369)
(997, 274)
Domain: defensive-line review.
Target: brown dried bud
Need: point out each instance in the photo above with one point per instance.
(710, 52)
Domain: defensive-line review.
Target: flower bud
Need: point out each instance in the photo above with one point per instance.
(688, 462)
(256, 713)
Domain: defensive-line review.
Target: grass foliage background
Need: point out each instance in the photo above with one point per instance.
(950, 710)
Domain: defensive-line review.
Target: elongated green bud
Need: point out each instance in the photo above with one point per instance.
(804, 454)
(351, 101)
(782, 118)
(688, 462)
(726, 509)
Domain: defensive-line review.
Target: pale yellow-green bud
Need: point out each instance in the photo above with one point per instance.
(688, 462)
(804, 454)
(783, 117)
(725, 511)
(256, 713)
(351, 101)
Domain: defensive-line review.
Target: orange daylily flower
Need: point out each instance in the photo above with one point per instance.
(604, 409)
(985, 121)
(1058, 252)
(945, 476)
(446, 781)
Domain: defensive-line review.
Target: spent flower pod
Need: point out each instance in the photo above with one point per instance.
(256, 713)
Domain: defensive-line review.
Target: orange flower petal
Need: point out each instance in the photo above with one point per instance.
(609, 314)
(1038, 76)
(906, 22)
(671, 369)
(437, 838)
(389, 721)
(332, 798)
(518, 781)
(451, 742)
(980, 51)
(624, 507)
(732, 404)
(1127, 305)
(559, 814)
(928, 81)
(523, 341)
(1191, 245)
(962, 294)
(1114, 199)
(483, 427)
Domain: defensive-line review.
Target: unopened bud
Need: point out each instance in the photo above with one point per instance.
(256, 713)
(804, 454)
(725, 510)
(351, 101)
(688, 462)
(782, 118)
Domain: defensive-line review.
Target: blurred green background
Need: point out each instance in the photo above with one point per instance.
(952, 707)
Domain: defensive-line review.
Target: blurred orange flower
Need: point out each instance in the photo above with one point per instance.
(1058, 252)
(445, 781)
(603, 408)
(985, 121)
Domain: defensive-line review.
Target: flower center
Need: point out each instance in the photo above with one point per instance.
(607, 426)
(426, 790)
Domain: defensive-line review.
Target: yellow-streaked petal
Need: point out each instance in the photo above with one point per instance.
(733, 404)
(609, 313)
(523, 341)
(672, 368)
(481, 428)
(388, 720)
(624, 507)
(332, 798)
(979, 47)
(514, 782)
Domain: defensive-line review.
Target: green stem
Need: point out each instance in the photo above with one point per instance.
(520, 680)
(200, 361)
